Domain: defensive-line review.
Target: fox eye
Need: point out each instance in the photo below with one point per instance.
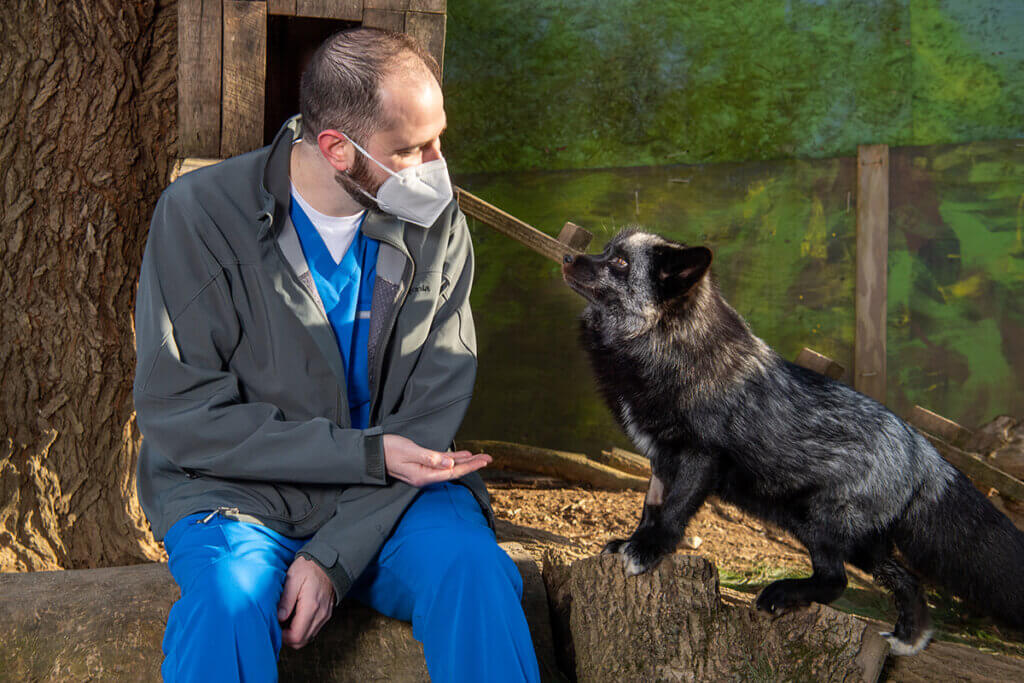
(619, 263)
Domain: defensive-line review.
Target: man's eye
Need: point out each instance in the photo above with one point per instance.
(619, 263)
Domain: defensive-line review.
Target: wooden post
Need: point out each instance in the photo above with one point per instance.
(575, 236)
(199, 77)
(872, 257)
(349, 10)
(245, 76)
(812, 360)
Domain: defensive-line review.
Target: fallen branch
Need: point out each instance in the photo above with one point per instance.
(631, 463)
(574, 467)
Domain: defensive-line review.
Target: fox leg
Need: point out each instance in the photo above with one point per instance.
(913, 626)
(673, 497)
(825, 585)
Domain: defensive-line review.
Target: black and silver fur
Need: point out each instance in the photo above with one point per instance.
(718, 412)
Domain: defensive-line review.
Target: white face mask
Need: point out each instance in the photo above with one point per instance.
(417, 194)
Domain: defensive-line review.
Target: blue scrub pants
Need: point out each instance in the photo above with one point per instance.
(441, 569)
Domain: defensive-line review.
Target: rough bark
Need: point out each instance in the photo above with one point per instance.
(88, 131)
(672, 625)
(107, 624)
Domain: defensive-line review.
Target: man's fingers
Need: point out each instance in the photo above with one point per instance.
(463, 456)
(437, 460)
(286, 604)
(473, 465)
(297, 632)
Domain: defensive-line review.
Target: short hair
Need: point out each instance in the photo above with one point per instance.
(340, 86)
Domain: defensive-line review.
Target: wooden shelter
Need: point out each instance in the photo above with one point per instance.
(239, 61)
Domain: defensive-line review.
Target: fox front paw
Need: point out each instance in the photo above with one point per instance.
(638, 556)
(780, 597)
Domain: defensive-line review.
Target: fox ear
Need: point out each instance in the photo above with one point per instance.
(679, 269)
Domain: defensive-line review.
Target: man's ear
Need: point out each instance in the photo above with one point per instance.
(680, 268)
(336, 149)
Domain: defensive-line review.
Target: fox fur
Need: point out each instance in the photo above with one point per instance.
(719, 412)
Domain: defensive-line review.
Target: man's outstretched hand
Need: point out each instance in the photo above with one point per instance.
(308, 598)
(418, 466)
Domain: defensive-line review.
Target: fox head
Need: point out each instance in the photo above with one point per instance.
(639, 277)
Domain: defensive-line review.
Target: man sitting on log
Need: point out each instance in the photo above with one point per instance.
(306, 354)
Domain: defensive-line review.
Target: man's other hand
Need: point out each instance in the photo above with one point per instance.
(308, 598)
(418, 466)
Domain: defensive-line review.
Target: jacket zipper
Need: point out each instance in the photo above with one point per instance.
(386, 336)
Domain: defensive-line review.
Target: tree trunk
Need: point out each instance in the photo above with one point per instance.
(671, 624)
(87, 119)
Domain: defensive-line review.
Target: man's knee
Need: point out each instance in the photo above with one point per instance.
(476, 559)
(236, 590)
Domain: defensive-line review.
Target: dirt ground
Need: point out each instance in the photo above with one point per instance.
(748, 553)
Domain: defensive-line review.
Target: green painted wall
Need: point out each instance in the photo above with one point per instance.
(734, 123)
(557, 84)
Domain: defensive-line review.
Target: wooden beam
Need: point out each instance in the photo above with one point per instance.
(283, 7)
(387, 20)
(631, 463)
(575, 236)
(428, 5)
(183, 166)
(869, 362)
(349, 10)
(511, 226)
(200, 30)
(245, 76)
(428, 29)
(393, 5)
(933, 423)
(978, 471)
(812, 360)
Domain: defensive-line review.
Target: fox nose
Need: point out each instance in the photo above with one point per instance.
(567, 259)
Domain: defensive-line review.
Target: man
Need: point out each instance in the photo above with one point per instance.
(305, 356)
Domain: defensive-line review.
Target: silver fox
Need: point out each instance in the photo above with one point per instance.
(719, 412)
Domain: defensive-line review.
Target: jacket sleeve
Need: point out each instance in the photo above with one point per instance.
(188, 404)
(434, 402)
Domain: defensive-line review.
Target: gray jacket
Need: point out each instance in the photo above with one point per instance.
(240, 388)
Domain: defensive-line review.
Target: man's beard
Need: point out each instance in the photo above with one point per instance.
(359, 178)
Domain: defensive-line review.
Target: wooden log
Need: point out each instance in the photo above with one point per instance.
(348, 10)
(511, 226)
(672, 624)
(631, 463)
(872, 256)
(283, 7)
(384, 19)
(428, 28)
(812, 360)
(933, 423)
(107, 625)
(199, 77)
(245, 76)
(570, 466)
(575, 236)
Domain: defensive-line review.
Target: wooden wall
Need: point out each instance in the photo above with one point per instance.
(223, 54)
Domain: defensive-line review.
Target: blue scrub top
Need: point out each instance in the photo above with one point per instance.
(346, 290)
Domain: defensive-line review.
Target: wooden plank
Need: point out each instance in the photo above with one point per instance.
(245, 76)
(511, 226)
(930, 422)
(349, 10)
(183, 166)
(428, 29)
(285, 7)
(199, 77)
(812, 360)
(872, 254)
(384, 19)
(575, 236)
(393, 5)
(440, 6)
